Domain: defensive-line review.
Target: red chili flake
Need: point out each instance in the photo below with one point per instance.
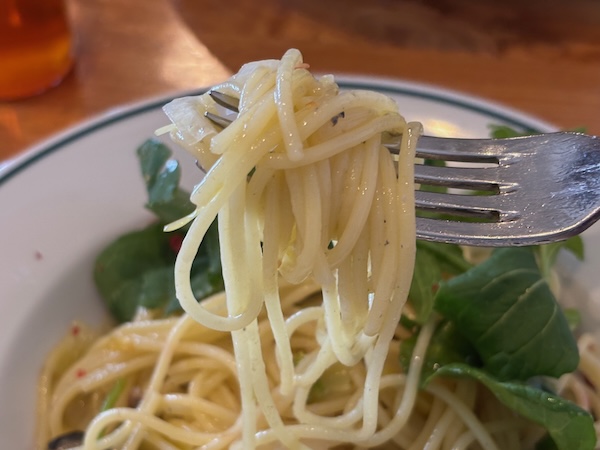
(175, 241)
(435, 287)
(75, 330)
(38, 255)
(80, 373)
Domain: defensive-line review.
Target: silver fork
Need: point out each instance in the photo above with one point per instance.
(540, 189)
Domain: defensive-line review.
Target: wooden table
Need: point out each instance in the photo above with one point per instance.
(541, 56)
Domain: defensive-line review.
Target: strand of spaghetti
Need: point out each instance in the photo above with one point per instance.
(201, 386)
(468, 437)
(184, 261)
(344, 337)
(341, 168)
(301, 412)
(311, 368)
(363, 197)
(479, 431)
(404, 250)
(197, 406)
(338, 144)
(272, 229)
(323, 179)
(202, 349)
(589, 363)
(332, 407)
(234, 253)
(353, 287)
(397, 381)
(315, 117)
(90, 382)
(120, 415)
(285, 104)
(262, 391)
(251, 123)
(216, 187)
(385, 273)
(410, 390)
(227, 394)
(48, 387)
(260, 83)
(349, 348)
(194, 364)
(255, 258)
(442, 427)
(348, 189)
(292, 295)
(159, 442)
(249, 410)
(468, 393)
(438, 407)
(243, 286)
(302, 317)
(151, 399)
(313, 431)
(305, 198)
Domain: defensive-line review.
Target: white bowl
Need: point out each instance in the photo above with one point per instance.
(65, 199)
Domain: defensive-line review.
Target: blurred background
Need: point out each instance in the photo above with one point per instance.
(540, 56)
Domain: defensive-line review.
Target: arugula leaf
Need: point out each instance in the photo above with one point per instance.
(507, 311)
(570, 427)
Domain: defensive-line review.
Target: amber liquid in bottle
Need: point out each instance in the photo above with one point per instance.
(35, 46)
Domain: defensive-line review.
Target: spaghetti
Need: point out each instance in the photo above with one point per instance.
(317, 235)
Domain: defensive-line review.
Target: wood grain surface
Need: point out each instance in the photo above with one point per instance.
(540, 56)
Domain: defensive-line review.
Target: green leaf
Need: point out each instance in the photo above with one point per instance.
(426, 276)
(575, 246)
(447, 346)
(137, 270)
(504, 131)
(573, 317)
(546, 443)
(449, 256)
(507, 311)
(432, 187)
(113, 395)
(548, 253)
(121, 268)
(162, 176)
(570, 427)
(155, 288)
(433, 261)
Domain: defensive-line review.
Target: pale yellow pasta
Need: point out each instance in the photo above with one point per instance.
(317, 236)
